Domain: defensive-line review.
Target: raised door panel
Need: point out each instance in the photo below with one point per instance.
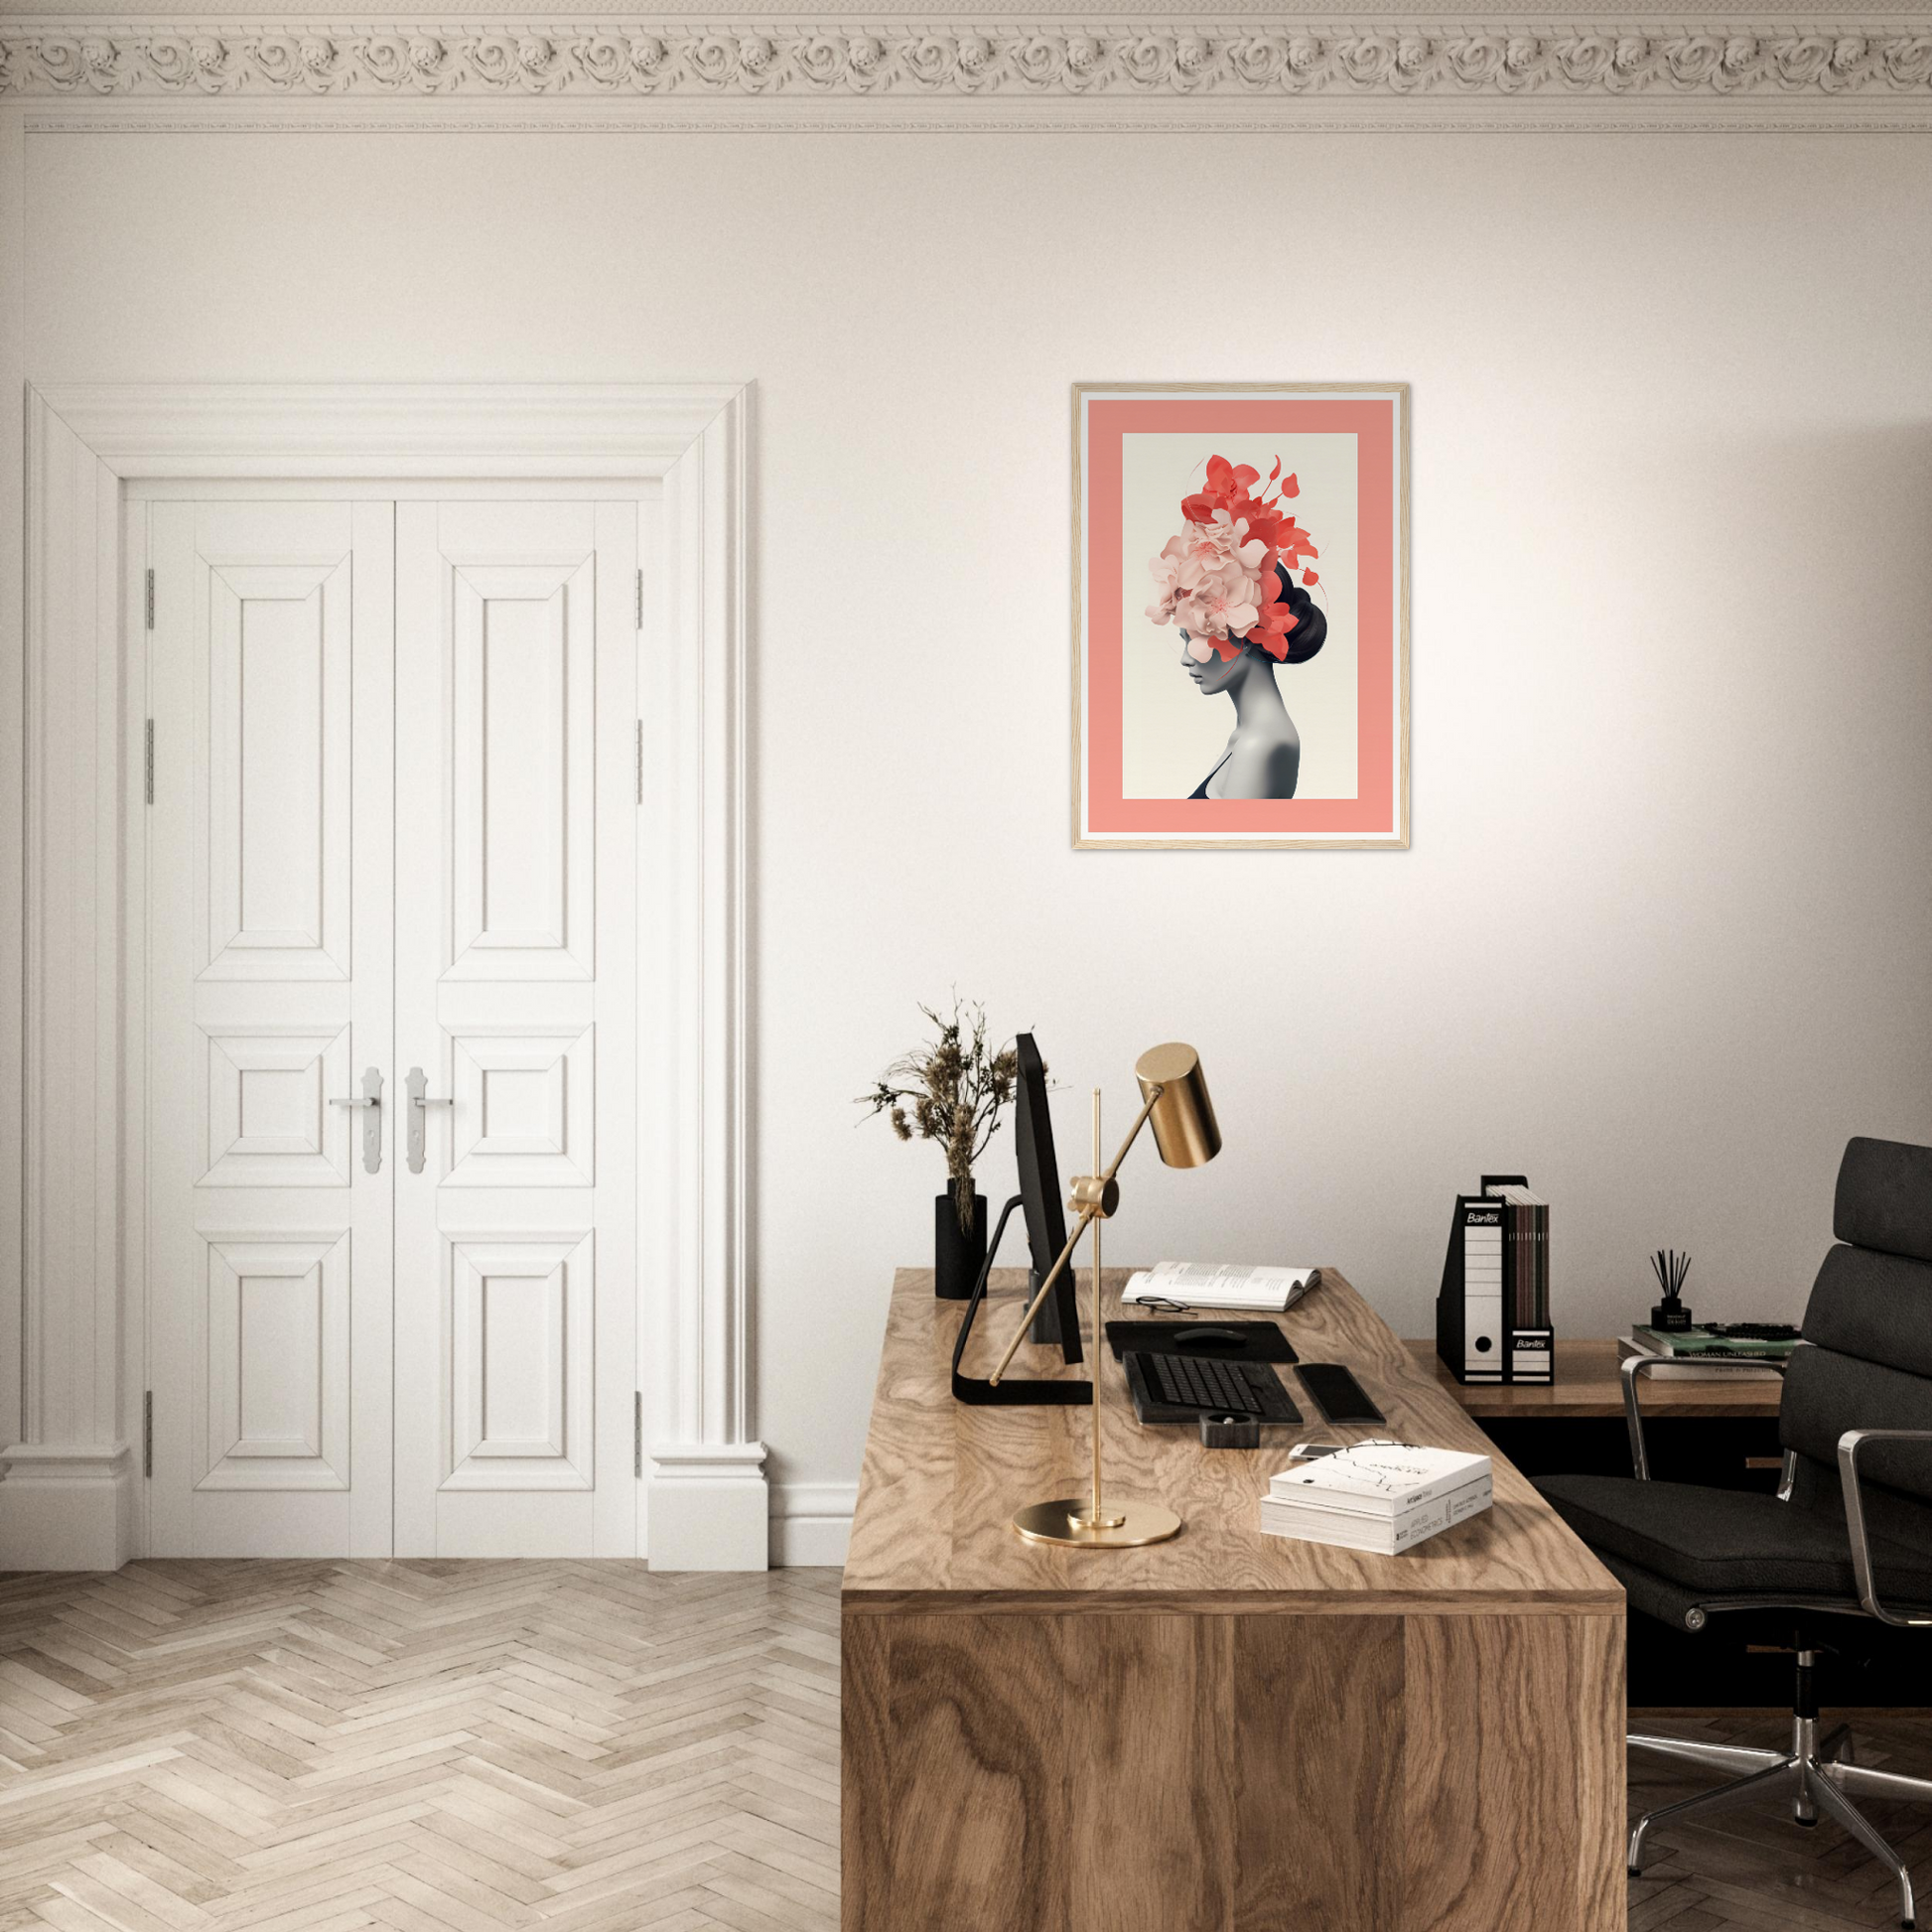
(267, 1116)
(269, 993)
(514, 1242)
(522, 768)
(276, 1397)
(525, 1107)
(521, 1344)
(278, 765)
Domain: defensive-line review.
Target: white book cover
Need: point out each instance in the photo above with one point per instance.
(1314, 1506)
(1379, 1478)
(1387, 1536)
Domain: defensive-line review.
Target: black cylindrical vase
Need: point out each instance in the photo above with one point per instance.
(957, 1258)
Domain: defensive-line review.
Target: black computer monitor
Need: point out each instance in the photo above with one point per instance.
(1038, 1199)
(1039, 1193)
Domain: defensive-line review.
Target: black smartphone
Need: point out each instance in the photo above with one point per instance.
(1338, 1394)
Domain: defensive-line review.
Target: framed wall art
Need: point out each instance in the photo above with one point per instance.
(1241, 615)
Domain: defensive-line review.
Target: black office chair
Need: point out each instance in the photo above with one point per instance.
(1849, 1534)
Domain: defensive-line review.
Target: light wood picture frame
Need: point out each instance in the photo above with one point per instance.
(1241, 557)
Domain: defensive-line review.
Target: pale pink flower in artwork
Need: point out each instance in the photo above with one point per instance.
(1168, 568)
(1227, 536)
(1213, 571)
(1222, 605)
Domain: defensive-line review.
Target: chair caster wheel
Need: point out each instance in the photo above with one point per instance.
(1807, 1823)
(1633, 1871)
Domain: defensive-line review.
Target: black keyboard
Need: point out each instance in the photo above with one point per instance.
(1207, 1387)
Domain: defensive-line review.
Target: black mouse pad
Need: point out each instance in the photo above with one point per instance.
(1217, 1341)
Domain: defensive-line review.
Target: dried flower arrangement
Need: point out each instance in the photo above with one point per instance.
(952, 1091)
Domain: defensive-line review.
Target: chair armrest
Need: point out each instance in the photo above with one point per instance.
(1848, 1445)
(1635, 1365)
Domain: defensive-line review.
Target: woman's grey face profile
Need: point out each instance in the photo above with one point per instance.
(1212, 677)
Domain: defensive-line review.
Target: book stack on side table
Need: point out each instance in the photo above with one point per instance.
(1381, 1496)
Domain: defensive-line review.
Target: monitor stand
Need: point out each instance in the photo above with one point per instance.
(1047, 1324)
(1012, 1391)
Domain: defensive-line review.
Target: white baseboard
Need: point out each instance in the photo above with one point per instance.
(709, 1507)
(67, 1506)
(72, 1508)
(811, 1523)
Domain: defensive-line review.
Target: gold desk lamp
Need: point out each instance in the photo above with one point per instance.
(1175, 1099)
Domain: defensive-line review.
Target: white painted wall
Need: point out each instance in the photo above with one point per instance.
(1660, 941)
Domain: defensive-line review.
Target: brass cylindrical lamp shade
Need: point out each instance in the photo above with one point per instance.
(1185, 1128)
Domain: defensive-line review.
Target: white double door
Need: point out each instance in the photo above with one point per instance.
(390, 859)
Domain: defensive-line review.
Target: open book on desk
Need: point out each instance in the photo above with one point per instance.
(1210, 1285)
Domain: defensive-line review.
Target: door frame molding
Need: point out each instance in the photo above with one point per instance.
(72, 1399)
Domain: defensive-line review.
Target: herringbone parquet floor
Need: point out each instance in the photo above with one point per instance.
(572, 1747)
(1754, 1870)
(427, 1747)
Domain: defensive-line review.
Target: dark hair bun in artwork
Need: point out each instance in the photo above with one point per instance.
(1311, 624)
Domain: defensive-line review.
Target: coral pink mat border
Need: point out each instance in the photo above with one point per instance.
(1372, 811)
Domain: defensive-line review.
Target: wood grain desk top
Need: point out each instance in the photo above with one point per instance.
(942, 1481)
(1587, 1385)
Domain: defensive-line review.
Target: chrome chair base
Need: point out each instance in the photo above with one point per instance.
(1817, 1775)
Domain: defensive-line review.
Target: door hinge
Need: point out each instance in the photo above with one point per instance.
(640, 760)
(148, 761)
(150, 600)
(638, 1433)
(641, 597)
(147, 1434)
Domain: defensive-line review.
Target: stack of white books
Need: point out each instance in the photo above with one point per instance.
(1386, 1497)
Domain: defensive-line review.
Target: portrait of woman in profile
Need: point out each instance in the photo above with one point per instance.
(1228, 583)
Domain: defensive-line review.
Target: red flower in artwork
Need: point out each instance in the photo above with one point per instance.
(1271, 631)
(1227, 489)
(1235, 536)
(1230, 487)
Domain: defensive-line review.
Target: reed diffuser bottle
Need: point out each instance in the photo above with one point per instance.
(1669, 1315)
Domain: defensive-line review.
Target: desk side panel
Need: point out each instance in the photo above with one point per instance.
(1233, 1773)
(1151, 1706)
(1318, 1748)
(957, 1776)
(865, 1770)
(1513, 1773)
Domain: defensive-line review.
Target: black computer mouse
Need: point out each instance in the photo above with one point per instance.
(1209, 1338)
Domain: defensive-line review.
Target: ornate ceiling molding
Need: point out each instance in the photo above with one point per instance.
(1253, 66)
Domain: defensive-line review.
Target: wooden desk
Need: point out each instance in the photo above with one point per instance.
(1228, 1732)
(1587, 1385)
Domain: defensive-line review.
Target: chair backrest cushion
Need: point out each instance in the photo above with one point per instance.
(1884, 1198)
(1868, 1324)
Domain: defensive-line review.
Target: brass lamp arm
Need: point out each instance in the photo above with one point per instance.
(1090, 1211)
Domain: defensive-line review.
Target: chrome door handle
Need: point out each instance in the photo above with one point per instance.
(417, 1081)
(372, 1098)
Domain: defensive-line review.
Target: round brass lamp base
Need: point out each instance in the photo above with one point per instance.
(1064, 1521)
